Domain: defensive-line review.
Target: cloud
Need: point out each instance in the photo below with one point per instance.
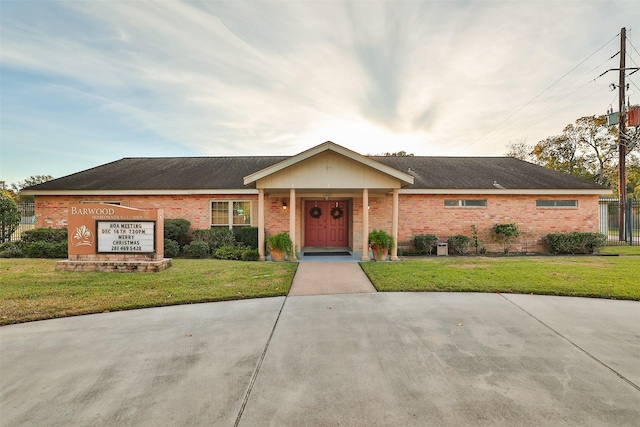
(225, 78)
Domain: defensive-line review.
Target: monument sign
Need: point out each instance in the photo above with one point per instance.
(106, 237)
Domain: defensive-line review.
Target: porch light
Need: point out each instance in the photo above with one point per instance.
(284, 205)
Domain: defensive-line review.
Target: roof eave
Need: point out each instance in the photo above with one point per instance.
(521, 191)
(125, 192)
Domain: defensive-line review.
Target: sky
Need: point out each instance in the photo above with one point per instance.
(87, 82)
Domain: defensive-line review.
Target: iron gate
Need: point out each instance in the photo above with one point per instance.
(27, 220)
(609, 222)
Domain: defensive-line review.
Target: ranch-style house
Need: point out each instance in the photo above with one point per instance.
(331, 197)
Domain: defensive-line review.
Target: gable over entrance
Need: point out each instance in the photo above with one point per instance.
(337, 174)
(329, 166)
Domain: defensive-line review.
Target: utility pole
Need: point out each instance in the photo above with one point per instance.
(623, 139)
(622, 145)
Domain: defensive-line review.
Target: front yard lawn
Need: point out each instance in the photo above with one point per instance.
(621, 250)
(587, 276)
(31, 289)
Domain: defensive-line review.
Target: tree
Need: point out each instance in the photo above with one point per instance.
(561, 153)
(32, 180)
(597, 143)
(396, 154)
(9, 216)
(587, 148)
(633, 178)
(519, 149)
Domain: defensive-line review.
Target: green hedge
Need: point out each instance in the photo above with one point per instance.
(197, 249)
(250, 255)
(215, 237)
(231, 252)
(458, 244)
(575, 243)
(51, 235)
(11, 250)
(45, 249)
(171, 248)
(425, 243)
(177, 229)
(249, 236)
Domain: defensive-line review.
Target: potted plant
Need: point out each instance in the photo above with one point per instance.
(279, 245)
(380, 242)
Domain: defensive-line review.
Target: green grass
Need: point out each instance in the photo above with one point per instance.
(588, 276)
(621, 250)
(31, 289)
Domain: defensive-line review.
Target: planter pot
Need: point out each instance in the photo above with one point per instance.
(277, 255)
(379, 253)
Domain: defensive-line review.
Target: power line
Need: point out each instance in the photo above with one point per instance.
(590, 94)
(536, 97)
(546, 108)
(634, 48)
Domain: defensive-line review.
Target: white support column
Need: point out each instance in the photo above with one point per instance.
(394, 227)
(261, 225)
(292, 222)
(365, 225)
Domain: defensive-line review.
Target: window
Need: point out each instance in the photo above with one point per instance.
(230, 214)
(466, 203)
(556, 203)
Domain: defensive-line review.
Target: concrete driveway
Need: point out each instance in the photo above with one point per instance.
(367, 359)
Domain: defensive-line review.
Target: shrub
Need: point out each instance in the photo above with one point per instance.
(425, 243)
(177, 229)
(505, 233)
(43, 249)
(249, 236)
(475, 241)
(215, 237)
(458, 244)
(9, 216)
(51, 235)
(250, 255)
(171, 248)
(575, 242)
(11, 250)
(197, 249)
(237, 234)
(230, 252)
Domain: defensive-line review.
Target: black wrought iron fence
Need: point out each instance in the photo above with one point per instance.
(27, 220)
(610, 221)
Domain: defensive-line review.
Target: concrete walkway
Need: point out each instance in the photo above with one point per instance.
(325, 278)
(366, 359)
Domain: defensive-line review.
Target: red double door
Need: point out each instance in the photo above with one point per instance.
(326, 223)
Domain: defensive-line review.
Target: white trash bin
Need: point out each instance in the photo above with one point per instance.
(442, 249)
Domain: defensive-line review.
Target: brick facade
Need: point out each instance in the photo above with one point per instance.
(418, 214)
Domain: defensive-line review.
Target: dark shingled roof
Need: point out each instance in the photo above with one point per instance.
(204, 173)
(481, 172)
(164, 173)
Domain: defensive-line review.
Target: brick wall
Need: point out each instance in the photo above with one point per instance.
(52, 211)
(427, 215)
(418, 214)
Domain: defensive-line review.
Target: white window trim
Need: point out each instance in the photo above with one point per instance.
(229, 203)
(557, 207)
(461, 204)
